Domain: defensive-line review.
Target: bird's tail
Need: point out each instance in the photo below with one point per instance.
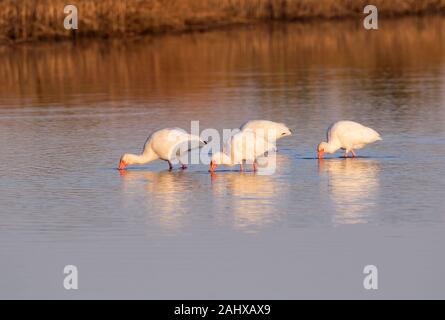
(372, 135)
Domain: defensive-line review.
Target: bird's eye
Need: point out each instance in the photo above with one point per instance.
(283, 133)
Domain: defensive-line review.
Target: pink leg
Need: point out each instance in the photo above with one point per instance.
(240, 167)
(183, 166)
(353, 154)
(254, 167)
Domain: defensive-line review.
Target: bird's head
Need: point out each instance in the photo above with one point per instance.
(283, 131)
(215, 161)
(322, 147)
(220, 158)
(126, 160)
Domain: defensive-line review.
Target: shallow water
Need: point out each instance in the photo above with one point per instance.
(67, 113)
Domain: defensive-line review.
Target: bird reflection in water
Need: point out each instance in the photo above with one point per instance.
(166, 199)
(248, 198)
(353, 186)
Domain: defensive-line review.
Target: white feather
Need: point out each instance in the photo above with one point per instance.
(349, 135)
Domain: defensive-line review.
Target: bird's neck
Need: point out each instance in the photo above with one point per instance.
(332, 146)
(147, 156)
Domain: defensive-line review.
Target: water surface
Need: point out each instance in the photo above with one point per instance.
(68, 112)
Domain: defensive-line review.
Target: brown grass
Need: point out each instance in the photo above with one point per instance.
(22, 20)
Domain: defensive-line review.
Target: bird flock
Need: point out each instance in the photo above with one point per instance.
(254, 139)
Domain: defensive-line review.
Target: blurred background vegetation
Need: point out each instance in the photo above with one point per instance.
(24, 20)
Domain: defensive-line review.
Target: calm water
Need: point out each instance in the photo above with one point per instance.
(67, 113)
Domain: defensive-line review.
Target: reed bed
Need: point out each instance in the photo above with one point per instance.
(22, 20)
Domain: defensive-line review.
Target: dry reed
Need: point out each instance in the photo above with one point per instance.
(22, 20)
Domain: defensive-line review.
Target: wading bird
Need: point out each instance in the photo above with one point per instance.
(166, 144)
(349, 136)
(242, 146)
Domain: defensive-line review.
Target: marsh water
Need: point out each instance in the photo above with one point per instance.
(68, 111)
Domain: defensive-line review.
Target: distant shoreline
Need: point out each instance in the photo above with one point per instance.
(35, 20)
